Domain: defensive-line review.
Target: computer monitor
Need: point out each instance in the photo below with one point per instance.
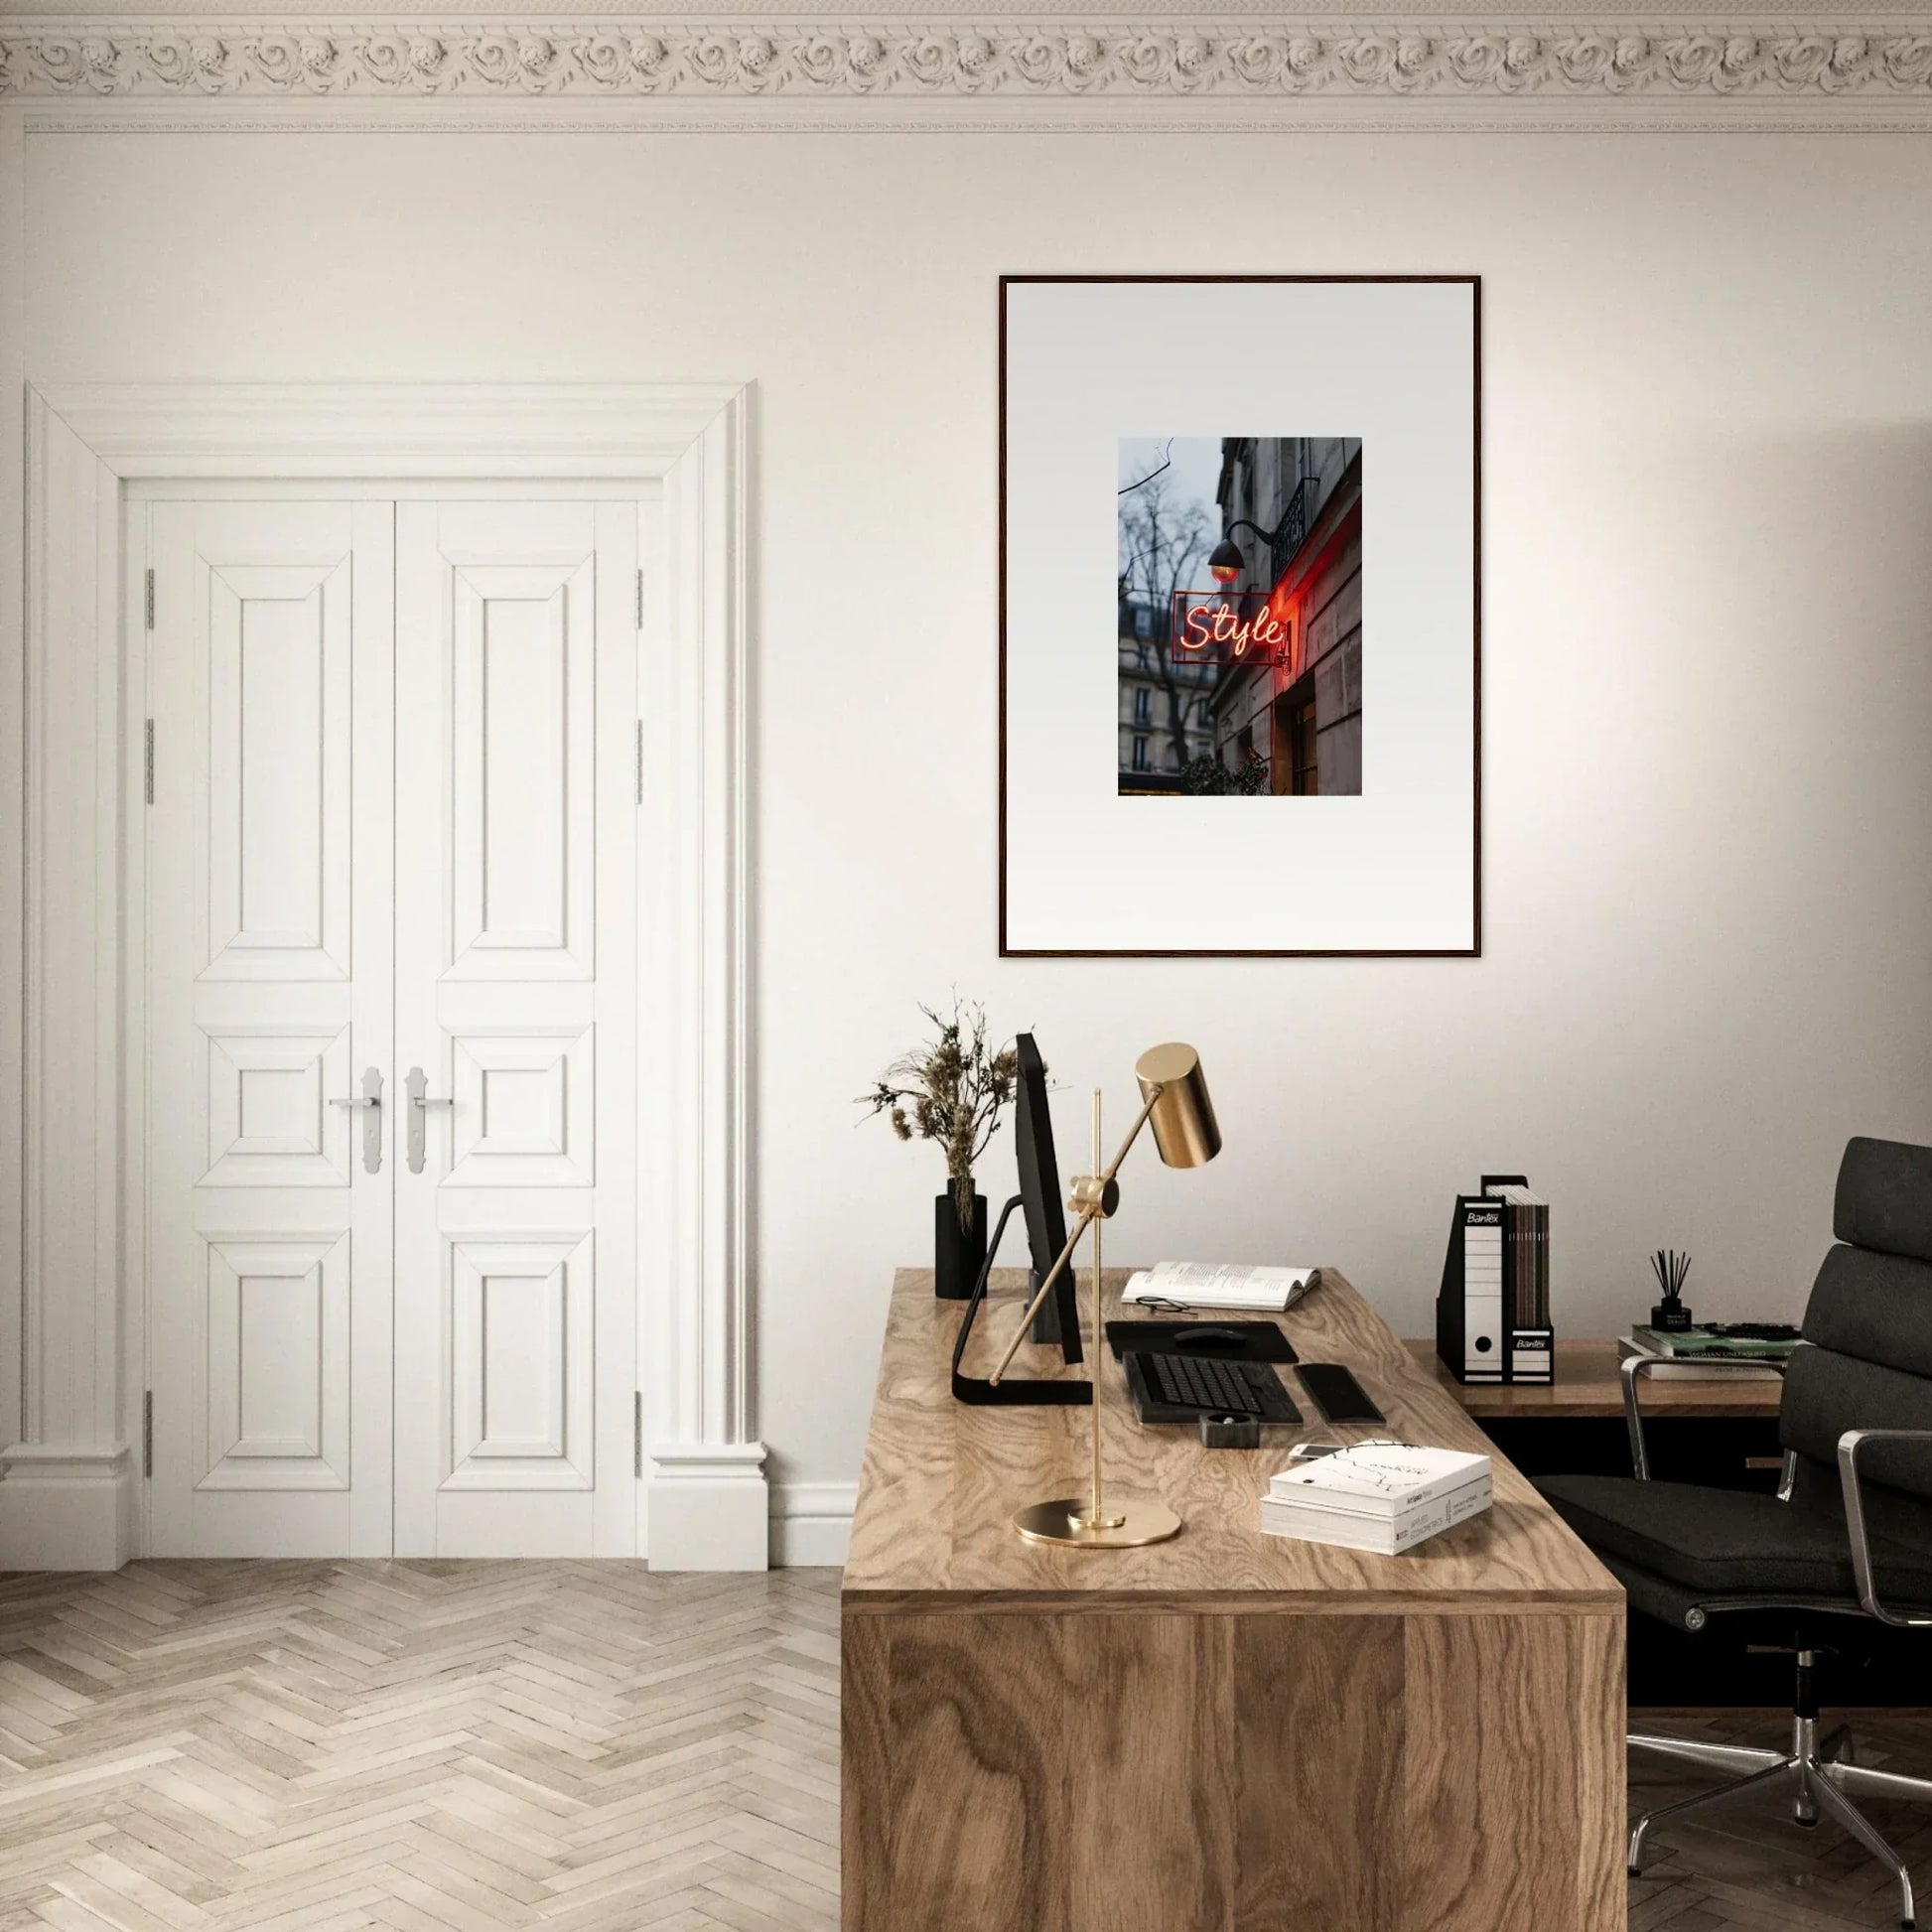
(1039, 1200)
(1040, 1196)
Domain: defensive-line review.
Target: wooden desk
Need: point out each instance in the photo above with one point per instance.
(1588, 1385)
(1228, 1732)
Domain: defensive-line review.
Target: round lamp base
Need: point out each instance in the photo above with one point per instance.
(1060, 1522)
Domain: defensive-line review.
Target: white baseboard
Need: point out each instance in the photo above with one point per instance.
(709, 1507)
(65, 1507)
(811, 1523)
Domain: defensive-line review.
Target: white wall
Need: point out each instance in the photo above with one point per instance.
(1708, 544)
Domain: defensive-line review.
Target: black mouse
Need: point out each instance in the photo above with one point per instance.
(1209, 1338)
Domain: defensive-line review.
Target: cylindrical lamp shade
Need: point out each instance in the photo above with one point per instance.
(1183, 1118)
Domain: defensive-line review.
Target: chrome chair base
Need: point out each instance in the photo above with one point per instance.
(1821, 1775)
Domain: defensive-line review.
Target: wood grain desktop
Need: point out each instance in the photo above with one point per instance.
(1228, 1732)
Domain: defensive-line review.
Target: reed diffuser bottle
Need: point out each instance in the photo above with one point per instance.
(1670, 1315)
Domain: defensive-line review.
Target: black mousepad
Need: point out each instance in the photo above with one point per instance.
(1246, 1341)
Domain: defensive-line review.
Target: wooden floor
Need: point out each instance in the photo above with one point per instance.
(426, 1745)
(447, 1746)
(1747, 1865)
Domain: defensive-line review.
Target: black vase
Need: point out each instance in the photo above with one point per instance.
(959, 1254)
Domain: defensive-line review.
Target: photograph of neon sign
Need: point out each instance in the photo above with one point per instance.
(1224, 626)
(1240, 667)
(1278, 636)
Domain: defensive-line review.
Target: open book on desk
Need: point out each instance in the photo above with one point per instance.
(1217, 1285)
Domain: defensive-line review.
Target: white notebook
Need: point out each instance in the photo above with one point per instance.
(1217, 1285)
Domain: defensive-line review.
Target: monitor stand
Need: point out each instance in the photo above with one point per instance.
(1012, 1391)
(1047, 1324)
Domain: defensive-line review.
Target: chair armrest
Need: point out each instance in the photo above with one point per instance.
(1634, 1367)
(1848, 1445)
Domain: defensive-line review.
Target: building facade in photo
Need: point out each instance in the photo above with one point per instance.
(1300, 719)
(1165, 705)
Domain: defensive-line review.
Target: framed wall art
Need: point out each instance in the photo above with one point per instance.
(1272, 485)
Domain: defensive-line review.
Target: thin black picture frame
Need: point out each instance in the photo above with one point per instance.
(1472, 951)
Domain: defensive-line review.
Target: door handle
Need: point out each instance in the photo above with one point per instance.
(369, 1099)
(420, 1102)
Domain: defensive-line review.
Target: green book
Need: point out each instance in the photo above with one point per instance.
(1701, 1341)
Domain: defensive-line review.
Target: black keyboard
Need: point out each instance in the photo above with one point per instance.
(1206, 1387)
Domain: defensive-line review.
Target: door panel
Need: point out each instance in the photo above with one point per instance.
(525, 1108)
(514, 974)
(522, 711)
(270, 896)
(522, 1403)
(279, 645)
(278, 1361)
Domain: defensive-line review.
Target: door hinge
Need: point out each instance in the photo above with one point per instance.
(147, 1433)
(637, 1433)
(148, 599)
(640, 600)
(147, 762)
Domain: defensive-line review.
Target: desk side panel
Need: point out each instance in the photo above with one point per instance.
(1147, 1772)
(1514, 1773)
(1152, 1770)
(1319, 1721)
(955, 1777)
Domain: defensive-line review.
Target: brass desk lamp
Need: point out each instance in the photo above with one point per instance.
(1175, 1102)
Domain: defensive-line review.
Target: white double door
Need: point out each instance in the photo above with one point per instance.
(391, 858)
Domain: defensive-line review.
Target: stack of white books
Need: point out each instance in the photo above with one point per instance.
(1218, 1285)
(1381, 1497)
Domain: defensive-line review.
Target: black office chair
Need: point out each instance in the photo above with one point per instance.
(1847, 1540)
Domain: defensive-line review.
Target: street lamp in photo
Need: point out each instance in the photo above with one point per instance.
(1283, 541)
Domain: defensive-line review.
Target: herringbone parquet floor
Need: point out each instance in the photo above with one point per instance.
(1749, 1868)
(460, 1747)
(431, 1746)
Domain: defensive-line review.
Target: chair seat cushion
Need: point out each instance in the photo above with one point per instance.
(1728, 1542)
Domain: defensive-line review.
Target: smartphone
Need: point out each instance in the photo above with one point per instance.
(1336, 1393)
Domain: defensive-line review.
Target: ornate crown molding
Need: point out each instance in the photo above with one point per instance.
(1195, 61)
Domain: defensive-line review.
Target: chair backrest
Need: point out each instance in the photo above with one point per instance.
(1868, 1324)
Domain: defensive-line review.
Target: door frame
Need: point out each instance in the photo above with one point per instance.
(71, 1494)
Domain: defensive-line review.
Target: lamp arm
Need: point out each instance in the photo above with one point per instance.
(1242, 523)
(1088, 1215)
(1133, 1135)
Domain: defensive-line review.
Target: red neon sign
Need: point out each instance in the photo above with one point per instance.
(1228, 627)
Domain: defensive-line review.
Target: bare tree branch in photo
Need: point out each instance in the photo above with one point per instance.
(1162, 540)
(1165, 463)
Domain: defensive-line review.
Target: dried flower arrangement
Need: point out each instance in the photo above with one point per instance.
(951, 1091)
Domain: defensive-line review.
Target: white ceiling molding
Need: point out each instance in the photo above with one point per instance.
(1189, 70)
